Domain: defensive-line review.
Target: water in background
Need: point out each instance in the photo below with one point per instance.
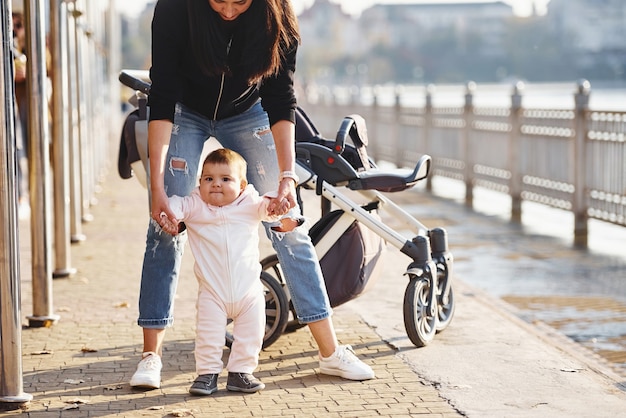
(581, 293)
(603, 96)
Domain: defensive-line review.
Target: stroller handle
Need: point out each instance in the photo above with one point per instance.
(135, 79)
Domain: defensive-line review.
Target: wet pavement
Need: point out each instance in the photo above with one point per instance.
(598, 323)
(533, 266)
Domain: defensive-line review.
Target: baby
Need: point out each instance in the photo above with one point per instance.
(222, 217)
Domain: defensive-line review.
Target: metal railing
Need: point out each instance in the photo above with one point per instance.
(571, 159)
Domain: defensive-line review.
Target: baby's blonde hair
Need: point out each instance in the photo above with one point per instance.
(230, 157)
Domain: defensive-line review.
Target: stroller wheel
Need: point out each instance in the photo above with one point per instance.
(445, 311)
(271, 265)
(420, 325)
(445, 308)
(276, 311)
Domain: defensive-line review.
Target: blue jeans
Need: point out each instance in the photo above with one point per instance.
(249, 135)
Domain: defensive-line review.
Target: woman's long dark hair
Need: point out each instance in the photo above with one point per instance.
(264, 34)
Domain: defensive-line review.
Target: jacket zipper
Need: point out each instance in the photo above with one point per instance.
(219, 96)
(229, 272)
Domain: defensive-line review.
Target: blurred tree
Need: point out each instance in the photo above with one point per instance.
(136, 41)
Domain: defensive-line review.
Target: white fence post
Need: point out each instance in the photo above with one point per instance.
(515, 182)
(428, 122)
(395, 129)
(372, 123)
(466, 154)
(580, 203)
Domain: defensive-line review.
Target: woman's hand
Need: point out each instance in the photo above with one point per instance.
(159, 132)
(162, 213)
(286, 198)
(284, 135)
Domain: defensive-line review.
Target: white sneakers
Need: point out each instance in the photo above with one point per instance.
(148, 374)
(345, 363)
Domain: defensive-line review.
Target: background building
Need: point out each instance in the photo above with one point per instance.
(456, 42)
(447, 43)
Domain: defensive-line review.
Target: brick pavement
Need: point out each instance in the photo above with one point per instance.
(80, 366)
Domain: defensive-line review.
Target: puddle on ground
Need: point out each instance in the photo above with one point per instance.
(597, 323)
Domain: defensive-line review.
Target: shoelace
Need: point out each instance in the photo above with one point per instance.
(150, 361)
(348, 355)
(245, 377)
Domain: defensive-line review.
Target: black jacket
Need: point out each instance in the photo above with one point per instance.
(176, 77)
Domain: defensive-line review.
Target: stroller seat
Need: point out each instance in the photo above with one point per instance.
(339, 163)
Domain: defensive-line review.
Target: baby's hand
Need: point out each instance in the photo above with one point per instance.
(168, 226)
(278, 207)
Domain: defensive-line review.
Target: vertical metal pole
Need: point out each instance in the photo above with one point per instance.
(11, 380)
(99, 96)
(114, 66)
(39, 170)
(515, 183)
(86, 105)
(75, 180)
(466, 155)
(60, 139)
(82, 72)
(581, 217)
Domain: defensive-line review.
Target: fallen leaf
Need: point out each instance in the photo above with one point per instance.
(88, 350)
(74, 406)
(122, 305)
(113, 387)
(571, 370)
(40, 353)
(155, 408)
(460, 387)
(73, 381)
(181, 413)
(77, 401)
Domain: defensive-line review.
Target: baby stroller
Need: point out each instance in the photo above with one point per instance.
(329, 168)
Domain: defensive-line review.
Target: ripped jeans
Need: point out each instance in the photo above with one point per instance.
(248, 134)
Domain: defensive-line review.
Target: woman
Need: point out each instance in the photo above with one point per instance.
(225, 69)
